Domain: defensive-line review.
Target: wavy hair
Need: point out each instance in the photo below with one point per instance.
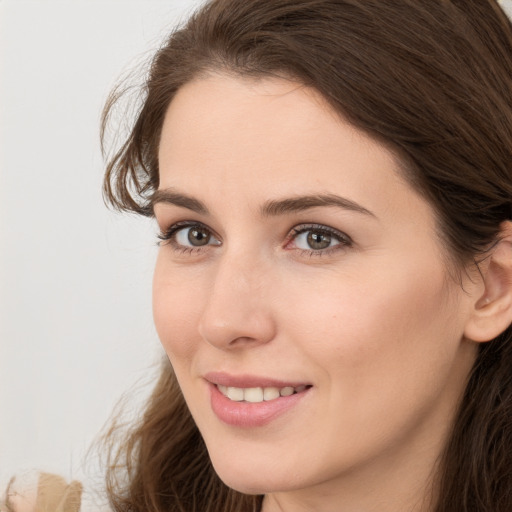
(431, 80)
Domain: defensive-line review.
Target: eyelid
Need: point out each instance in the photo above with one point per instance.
(343, 239)
(168, 234)
(301, 228)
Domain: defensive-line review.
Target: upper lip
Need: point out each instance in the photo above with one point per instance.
(250, 381)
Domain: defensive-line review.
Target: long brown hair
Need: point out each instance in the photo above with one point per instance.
(433, 81)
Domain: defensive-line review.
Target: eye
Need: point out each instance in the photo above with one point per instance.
(315, 240)
(189, 236)
(196, 236)
(318, 239)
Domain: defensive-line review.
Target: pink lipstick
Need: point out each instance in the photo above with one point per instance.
(250, 401)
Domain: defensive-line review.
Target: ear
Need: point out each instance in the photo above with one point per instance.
(492, 310)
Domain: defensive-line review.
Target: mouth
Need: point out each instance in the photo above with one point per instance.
(256, 395)
(249, 401)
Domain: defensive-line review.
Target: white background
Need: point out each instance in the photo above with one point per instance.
(75, 279)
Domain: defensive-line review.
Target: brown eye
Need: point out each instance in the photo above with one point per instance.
(189, 236)
(198, 236)
(317, 240)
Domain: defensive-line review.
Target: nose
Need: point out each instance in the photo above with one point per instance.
(238, 310)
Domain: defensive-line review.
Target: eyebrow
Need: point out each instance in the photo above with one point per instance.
(169, 196)
(301, 203)
(269, 209)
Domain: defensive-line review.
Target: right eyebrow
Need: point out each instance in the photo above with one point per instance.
(169, 196)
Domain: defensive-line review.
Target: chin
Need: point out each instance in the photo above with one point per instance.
(251, 484)
(255, 477)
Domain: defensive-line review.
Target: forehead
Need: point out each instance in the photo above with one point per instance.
(259, 139)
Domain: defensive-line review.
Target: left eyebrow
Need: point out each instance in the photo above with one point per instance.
(301, 203)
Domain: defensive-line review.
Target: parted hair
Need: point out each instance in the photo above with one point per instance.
(430, 79)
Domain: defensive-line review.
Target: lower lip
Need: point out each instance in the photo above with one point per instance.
(246, 414)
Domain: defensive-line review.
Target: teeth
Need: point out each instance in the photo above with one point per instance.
(257, 395)
(253, 395)
(287, 391)
(235, 394)
(271, 394)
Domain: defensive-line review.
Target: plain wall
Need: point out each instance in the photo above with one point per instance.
(75, 279)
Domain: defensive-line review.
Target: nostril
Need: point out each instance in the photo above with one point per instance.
(236, 326)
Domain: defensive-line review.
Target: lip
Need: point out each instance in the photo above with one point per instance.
(250, 415)
(250, 381)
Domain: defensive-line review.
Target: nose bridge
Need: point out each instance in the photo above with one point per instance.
(237, 310)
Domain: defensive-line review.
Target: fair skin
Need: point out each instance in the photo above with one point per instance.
(356, 304)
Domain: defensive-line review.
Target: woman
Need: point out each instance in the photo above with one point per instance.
(332, 185)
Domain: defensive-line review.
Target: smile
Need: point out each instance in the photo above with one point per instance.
(258, 394)
(251, 401)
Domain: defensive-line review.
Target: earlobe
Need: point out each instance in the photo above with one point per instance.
(492, 309)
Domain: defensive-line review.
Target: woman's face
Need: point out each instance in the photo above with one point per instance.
(303, 278)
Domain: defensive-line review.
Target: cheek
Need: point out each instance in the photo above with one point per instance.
(379, 328)
(176, 303)
(382, 351)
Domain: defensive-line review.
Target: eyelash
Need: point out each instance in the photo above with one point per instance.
(344, 241)
(169, 236)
